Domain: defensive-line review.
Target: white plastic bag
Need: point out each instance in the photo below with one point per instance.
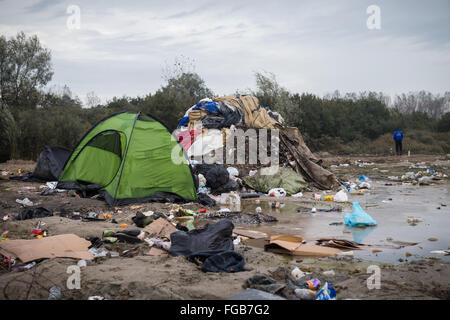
(297, 195)
(233, 172)
(341, 196)
(201, 180)
(277, 192)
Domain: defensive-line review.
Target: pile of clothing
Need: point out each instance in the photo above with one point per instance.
(207, 126)
(210, 247)
(223, 112)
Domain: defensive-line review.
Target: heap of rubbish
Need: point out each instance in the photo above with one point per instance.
(208, 129)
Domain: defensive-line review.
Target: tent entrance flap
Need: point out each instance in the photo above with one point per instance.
(100, 159)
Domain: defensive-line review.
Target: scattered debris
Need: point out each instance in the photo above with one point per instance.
(25, 202)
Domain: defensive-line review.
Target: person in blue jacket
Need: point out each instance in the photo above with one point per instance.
(398, 137)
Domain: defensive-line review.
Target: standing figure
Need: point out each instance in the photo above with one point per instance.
(398, 137)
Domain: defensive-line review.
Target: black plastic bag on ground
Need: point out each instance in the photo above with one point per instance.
(32, 213)
(218, 261)
(217, 178)
(217, 236)
(206, 200)
(231, 185)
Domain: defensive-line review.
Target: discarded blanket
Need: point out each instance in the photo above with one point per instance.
(306, 163)
(206, 105)
(218, 261)
(32, 213)
(285, 178)
(255, 116)
(216, 236)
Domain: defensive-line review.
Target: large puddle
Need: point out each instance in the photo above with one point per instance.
(391, 216)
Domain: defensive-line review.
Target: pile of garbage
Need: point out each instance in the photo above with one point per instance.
(424, 177)
(363, 183)
(156, 234)
(298, 285)
(207, 126)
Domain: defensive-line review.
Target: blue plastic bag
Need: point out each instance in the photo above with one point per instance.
(326, 293)
(363, 178)
(359, 218)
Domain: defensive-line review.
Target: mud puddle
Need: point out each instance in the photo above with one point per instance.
(390, 206)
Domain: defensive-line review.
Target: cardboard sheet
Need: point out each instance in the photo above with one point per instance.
(156, 252)
(293, 245)
(257, 243)
(62, 246)
(340, 244)
(251, 234)
(160, 228)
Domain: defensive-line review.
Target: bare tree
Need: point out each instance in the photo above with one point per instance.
(92, 100)
(422, 101)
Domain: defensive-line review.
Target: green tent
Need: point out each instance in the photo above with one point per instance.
(130, 157)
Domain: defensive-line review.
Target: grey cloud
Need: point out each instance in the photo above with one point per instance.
(315, 46)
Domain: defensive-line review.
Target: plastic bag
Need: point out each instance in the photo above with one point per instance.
(363, 178)
(359, 218)
(233, 172)
(326, 293)
(364, 185)
(201, 180)
(341, 196)
(277, 192)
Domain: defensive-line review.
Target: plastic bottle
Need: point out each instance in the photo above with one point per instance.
(305, 294)
(230, 199)
(313, 284)
(54, 293)
(414, 220)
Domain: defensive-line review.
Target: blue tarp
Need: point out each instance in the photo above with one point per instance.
(209, 106)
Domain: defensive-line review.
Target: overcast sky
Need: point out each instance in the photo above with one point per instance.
(311, 46)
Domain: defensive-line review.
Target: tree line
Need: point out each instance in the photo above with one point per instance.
(32, 115)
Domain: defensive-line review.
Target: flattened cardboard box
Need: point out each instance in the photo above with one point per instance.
(251, 234)
(293, 245)
(60, 246)
(160, 228)
(157, 252)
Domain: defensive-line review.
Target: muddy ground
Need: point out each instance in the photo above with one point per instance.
(409, 273)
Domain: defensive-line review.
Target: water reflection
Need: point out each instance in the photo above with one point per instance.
(359, 233)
